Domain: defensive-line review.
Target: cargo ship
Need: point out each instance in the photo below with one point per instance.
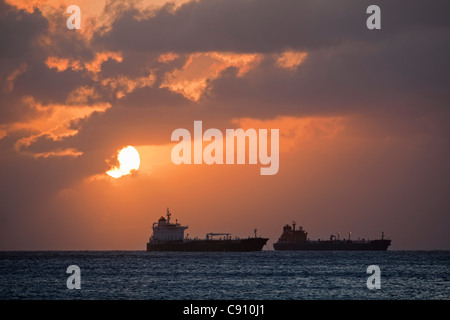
(168, 236)
(292, 239)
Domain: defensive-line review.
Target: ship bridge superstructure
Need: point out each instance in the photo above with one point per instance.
(291, 234)
(164, 230)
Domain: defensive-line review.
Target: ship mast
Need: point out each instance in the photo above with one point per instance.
(168, 215)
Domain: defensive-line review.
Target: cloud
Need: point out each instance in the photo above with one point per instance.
(19, 30)
(265, 26)
(93, 66)
(122, 85)
(51, 123)
(271, 60)
(192, 79)
(290, 59)
(348, 69)
(396, 78)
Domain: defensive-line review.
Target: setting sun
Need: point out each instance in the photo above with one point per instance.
(129, 160)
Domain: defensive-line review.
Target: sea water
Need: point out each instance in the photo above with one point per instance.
(271, 275)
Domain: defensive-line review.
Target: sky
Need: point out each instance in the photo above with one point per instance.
(362, 114)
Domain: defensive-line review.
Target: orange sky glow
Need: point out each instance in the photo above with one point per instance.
(363, 148)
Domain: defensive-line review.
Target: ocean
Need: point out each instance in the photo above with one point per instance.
(265, 275)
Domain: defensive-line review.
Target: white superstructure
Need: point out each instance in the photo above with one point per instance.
(163, 230)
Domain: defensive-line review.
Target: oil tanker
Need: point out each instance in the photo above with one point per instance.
(169, 236)
(292, 239)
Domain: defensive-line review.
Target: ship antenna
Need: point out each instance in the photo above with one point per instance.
(168, 215)
(255, 231)
(293, 225)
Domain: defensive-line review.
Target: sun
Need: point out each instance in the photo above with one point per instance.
(129, 161)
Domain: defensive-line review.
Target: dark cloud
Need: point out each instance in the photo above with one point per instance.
(13, 108)
(18, 31)
(48, 85)
(267, 26)
(402, 77)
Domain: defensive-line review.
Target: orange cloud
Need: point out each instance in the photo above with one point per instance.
(291, 60)
(167, 57)
(81, 95)
(53, 121)
(93, 14)
(295, 130)
(62, 64)
(69, 152)
(3, 133)
(97, 16)
(243, 61)
(29, 5)
(94, 66)
(123, 85)
(191, 80)
(12, 77)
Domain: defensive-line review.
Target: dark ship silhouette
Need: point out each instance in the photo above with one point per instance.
(292, 239)
(169, 236)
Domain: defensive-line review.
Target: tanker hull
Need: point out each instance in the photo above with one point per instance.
(236, 245)
(374, 245)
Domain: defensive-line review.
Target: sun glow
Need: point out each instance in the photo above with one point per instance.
(129, 161)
